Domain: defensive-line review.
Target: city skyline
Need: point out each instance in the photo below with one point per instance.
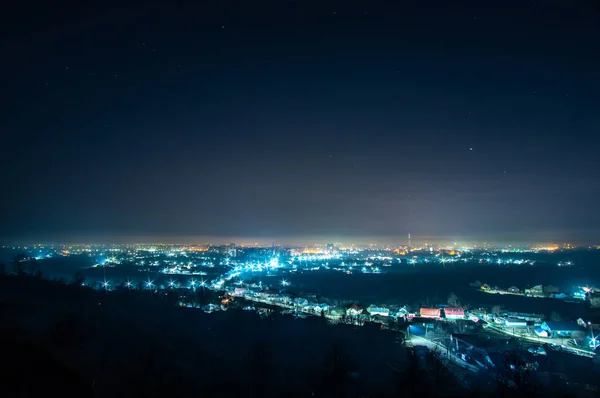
(307, 241)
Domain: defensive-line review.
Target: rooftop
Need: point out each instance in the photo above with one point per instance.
(562, 325)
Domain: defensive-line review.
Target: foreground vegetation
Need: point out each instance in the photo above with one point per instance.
(63, 338)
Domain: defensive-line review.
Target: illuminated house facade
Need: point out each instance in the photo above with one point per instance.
(381, 311)
(454, 313)
(435, 313)
(560, 329)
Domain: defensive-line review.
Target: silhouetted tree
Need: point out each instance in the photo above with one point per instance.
(203, 296)
(171, 296)
(78, 279)
(436, 366)
(18, 264)
(458, 327)
(453, 300)
(515, 377)
(411, 381)
(338, 368)
(33, 267)
(496, 310)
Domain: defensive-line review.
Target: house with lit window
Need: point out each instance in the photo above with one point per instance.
(560, 329)
(540, 332)
(354, 311)
(435, 313)
(239, 291)
(300, 302)
(534, 318)
(593, 299)
(454, 313)
(374, 310)
(537, 290)
(549, 290)
(321, 308)
(515, 323)
(402, 313)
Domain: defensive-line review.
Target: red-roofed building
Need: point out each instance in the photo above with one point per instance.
(454, 313)
(430, 312)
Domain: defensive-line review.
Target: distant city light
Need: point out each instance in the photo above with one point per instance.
(274, 262)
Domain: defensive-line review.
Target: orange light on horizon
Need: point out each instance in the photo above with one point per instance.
(549, 248)
(311, 251)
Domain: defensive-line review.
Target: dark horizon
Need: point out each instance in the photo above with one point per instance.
(302, 120)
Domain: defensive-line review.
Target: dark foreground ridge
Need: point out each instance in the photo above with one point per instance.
(64, 339)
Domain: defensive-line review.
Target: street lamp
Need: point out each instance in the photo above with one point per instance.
(593, 339)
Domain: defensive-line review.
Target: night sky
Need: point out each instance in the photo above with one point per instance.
(298, 120)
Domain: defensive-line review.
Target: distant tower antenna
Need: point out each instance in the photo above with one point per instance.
(409, 241)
